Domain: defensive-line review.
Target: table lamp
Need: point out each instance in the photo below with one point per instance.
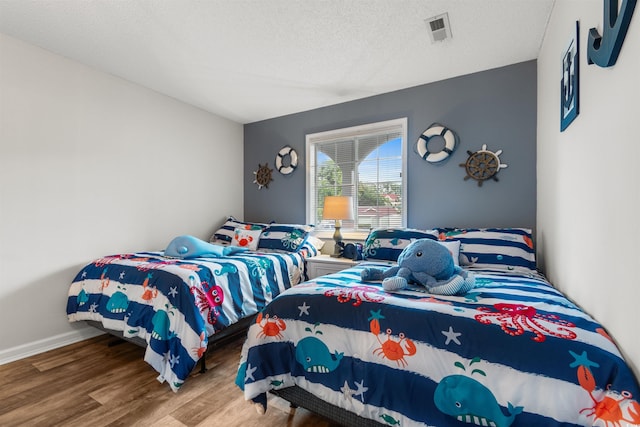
(337, 208)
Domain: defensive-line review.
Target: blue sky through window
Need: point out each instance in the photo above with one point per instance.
(368, 168)
(389, 155)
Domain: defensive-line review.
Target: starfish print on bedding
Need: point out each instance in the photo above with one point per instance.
(451, 336)
(304, 309)
(248, 375)
(361, 390)
(173, 291)
(175, 360)
(347, 391)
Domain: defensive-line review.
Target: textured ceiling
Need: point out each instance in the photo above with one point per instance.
(250, 60)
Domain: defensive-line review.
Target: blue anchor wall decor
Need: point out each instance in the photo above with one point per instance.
(603, 50)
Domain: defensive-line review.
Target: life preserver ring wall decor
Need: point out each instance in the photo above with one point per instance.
(286, 167)
(450, 143)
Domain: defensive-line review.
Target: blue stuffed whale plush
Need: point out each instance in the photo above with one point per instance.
(192, 247)
(427, 263)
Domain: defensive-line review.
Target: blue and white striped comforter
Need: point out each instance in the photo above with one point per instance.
(176, 305)
(513, 351)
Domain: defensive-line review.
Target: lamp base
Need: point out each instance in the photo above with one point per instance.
(337, 237)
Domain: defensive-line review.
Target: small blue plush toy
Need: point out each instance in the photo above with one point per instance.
(191, 247)
(425, 262)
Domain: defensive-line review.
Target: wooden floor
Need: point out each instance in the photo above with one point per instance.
(94, 384)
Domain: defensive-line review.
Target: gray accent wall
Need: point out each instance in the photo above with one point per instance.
(495, 107)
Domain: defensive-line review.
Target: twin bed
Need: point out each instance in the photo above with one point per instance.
(512, 351)
(177, 307)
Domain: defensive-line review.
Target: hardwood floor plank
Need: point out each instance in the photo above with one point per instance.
(167, 421)
(68, 354)
(91, 383)
(79, 375)
(117, 388)
(15, 371)
(52, 410)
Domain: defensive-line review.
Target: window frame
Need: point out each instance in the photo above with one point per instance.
(352, 132)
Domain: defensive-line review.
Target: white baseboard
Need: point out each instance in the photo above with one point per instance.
(40, 346)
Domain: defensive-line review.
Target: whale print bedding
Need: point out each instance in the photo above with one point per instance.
(178, 305)
(512, 352)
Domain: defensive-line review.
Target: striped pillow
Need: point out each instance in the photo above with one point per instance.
(284, 237)
(387, 243)
(310, 249)
(225, 233)
(493, 247)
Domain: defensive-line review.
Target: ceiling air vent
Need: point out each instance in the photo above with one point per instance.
(439, 28)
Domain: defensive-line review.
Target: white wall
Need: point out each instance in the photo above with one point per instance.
(92, 165)
(588, 215)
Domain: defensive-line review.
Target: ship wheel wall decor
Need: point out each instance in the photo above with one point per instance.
(263, 176)
(483, 164)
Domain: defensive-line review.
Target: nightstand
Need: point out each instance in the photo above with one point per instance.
(325, 264)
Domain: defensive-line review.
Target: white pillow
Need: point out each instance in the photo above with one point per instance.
(454, 248)
(246, 238)
(316, 242)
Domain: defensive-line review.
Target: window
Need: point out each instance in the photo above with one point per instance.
(365, 162)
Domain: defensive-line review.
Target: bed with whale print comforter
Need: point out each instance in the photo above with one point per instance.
(512, 352)
(178, 306)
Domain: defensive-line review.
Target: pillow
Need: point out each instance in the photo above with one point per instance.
(309, 248)
(284, 237)
(225, 233)
(454, 248)
(493, 247)
(312, 246)
(315, 242)
(387, 243)
(246, 238)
